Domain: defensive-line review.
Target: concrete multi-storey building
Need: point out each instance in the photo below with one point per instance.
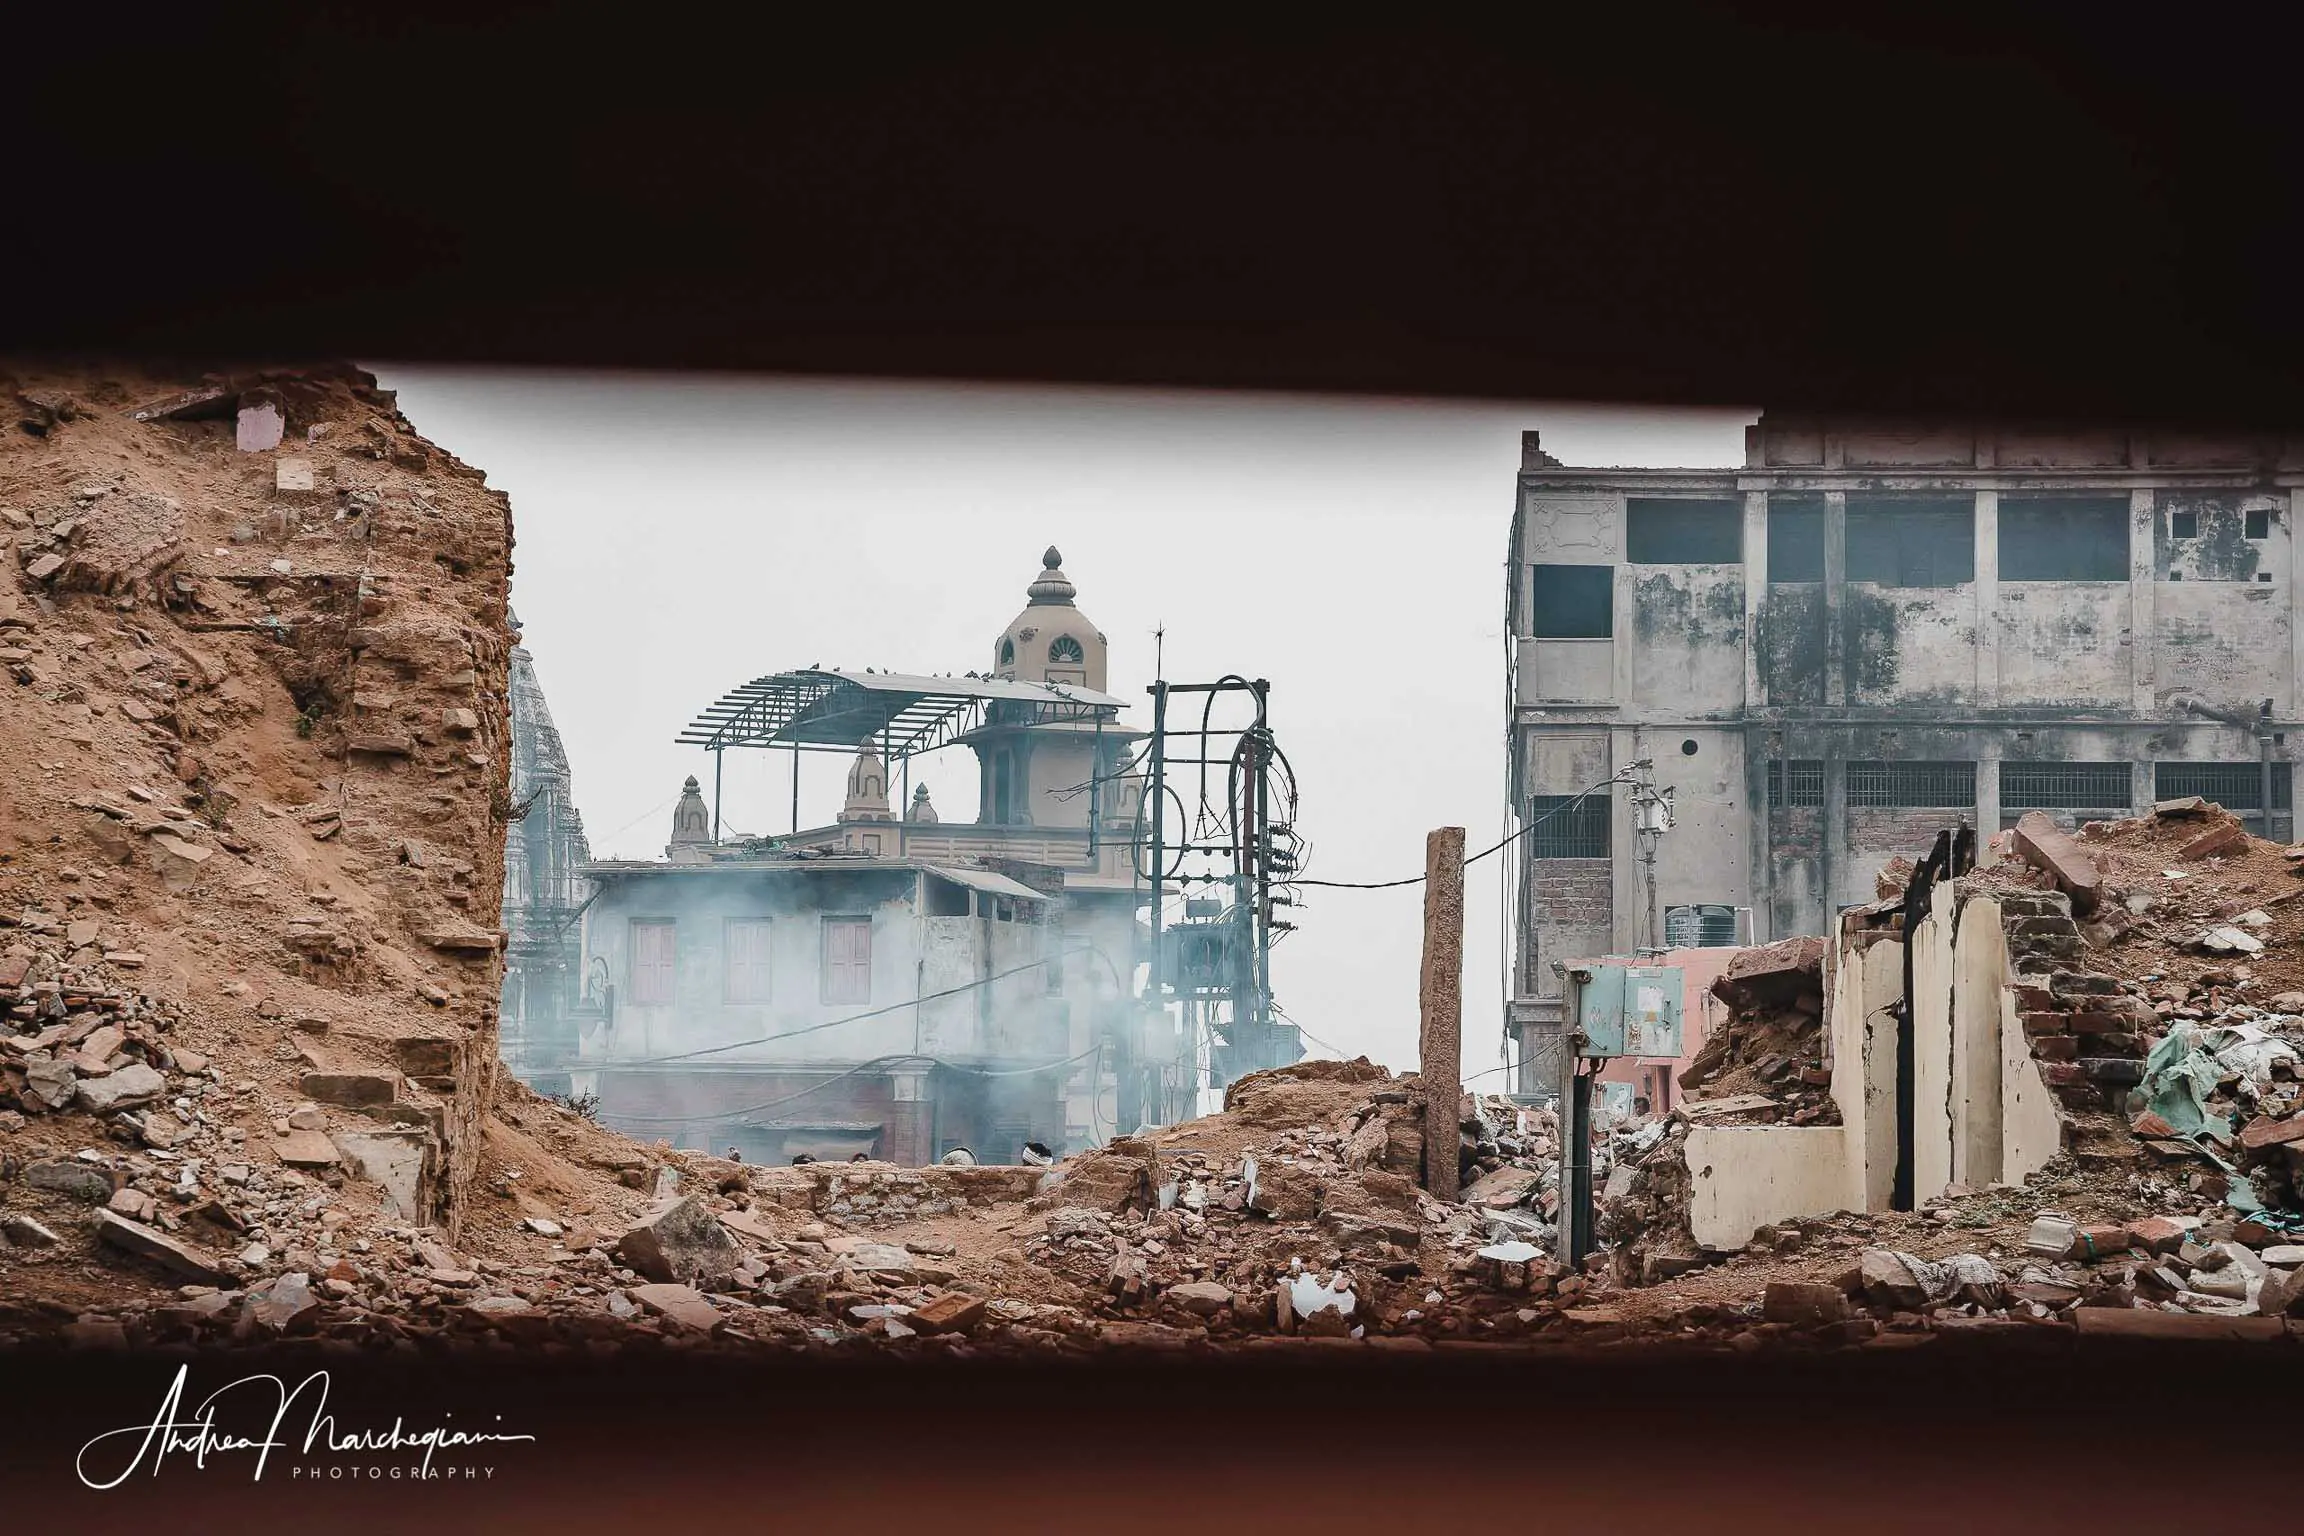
(1869, 632)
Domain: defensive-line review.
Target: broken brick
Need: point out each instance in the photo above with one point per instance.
(2049, 848)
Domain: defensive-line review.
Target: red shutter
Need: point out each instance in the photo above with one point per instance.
(652, 963)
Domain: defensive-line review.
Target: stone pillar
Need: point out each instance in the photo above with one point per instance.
(1987, 796)
(1441, 1041)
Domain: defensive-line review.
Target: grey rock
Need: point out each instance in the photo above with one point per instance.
(133, 1084)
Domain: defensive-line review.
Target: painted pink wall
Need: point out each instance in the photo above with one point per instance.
(1700, 1012)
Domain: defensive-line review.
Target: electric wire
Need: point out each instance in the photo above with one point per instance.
(877, 1063)
(1385, 885)
(874, 1013)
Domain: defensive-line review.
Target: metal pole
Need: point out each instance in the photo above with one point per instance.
(795, 789)
(904, 813)
(1159, 793)
(716, 756)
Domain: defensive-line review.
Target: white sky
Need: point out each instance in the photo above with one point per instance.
(678, 535)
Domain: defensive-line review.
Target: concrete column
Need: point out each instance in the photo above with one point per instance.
(2142, 790)
(1835, 850)
(1987, 601)
(1755, 592)
(1441, 1038)
(1835, 574)
(2295, 579)
(1987, 794)
(1762, 860)
(2143, 618)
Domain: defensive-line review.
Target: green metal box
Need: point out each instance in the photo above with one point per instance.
(1628, 1010)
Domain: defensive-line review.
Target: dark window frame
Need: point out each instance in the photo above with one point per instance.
(1906, 785)
(2236, 786)
(2062, 786)
(2048, 538)
(1581, 832)
(1599, 599)
(1911, 541)
(1802, 778)
(1798, 555)
(1683, 530)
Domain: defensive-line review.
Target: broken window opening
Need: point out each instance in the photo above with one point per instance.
(1795, 538)
(1569, 828)
(947, 898)
(2064, 538)
(2257, 523)
(2183, 525)
(1913, 786)
(1680, 530)
(1799, 782)
(2066, 787)
(1571, 602)
(1911, 541)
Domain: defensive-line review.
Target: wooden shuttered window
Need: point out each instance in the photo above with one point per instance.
(652, 963)
(747, 977)
(847, 968)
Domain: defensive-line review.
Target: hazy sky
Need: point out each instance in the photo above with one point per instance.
(677, 536)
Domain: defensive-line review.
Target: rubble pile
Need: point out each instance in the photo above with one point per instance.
(1767, 1061)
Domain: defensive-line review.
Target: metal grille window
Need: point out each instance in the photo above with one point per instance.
(1702, 927)
(2234, 786)
(1914, 786)
(1799, 782)
(2065, 786)
(1567, 828)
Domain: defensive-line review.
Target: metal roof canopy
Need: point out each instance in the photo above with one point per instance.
(902, 713)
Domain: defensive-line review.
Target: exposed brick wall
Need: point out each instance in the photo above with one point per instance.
(1895, 829)
(1800, 826)
(1572, 912)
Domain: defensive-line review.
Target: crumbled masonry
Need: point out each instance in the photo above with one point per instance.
(255, 650)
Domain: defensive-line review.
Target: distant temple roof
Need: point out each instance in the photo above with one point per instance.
(815, 708)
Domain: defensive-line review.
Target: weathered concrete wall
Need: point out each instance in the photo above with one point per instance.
(1743, 1176)
(1936, 1092)
(1979, 998)
(2066, 643)
(1978, 672)
(1867, 983)
(1687, 635)
(2031, 1130)
(1914, 647)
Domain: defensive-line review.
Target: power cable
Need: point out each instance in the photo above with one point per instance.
(1385, 885)
(874, 1013)
(875, 1064)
